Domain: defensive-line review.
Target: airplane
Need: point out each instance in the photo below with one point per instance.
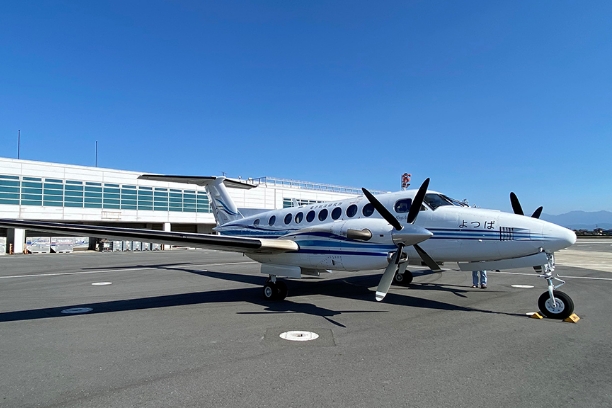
(388, 231)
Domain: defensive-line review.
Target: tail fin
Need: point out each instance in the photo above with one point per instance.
(223, 206)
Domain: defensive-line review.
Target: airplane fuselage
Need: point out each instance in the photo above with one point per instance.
(460, 233)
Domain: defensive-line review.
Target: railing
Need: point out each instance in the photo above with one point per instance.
(307, 185)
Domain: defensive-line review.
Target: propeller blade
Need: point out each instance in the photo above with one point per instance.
(427, 259)
(382, 210)
(415, 207)
(516, 206)
(387, 278)
(537, 212)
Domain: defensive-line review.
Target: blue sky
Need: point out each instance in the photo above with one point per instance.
(482, 97)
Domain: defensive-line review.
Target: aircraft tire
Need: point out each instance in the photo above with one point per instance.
(281, 290)
(564, 308)
(404, 279)
(270, 291)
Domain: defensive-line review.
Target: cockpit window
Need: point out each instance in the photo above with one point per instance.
(434, 200)
(403, 206)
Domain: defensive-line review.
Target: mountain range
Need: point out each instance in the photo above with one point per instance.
(581, 219)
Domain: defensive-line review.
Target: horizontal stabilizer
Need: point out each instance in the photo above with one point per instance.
(197, 180)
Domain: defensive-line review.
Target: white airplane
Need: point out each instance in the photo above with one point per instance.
(389, 231)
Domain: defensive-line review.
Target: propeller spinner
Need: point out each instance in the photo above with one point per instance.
(403, 236)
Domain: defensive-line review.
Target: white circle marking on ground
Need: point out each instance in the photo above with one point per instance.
(77, 310)
(523, 286)
(297, 335)
(101, 283)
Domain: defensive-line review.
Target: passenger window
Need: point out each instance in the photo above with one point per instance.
(256, 222)
(351, 211)
(299, 217)
(288, 218)
(310, 216)
(322, 215)
(336, 213)
(368, 210)
(403, 206)
(272, 220)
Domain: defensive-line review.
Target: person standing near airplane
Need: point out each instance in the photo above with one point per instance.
(483, 279)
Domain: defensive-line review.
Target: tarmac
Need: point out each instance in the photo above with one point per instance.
(190, 328)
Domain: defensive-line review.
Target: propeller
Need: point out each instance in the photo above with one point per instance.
(516, 207)
(402, 236)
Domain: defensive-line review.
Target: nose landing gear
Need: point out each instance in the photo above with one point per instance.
(559, 306)
(553, 303)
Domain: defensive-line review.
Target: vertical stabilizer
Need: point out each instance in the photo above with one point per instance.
(223, 206)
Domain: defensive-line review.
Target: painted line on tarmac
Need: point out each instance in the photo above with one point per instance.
(560, 276)
(40, 275)
(43, 275)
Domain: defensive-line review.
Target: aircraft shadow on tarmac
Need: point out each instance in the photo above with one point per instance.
(352, 287)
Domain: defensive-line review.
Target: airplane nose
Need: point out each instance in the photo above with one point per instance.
(570, 237)
(560, 237)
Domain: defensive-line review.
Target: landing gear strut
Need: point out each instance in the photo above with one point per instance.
(402, 276)
(275, 289)
(554, 303)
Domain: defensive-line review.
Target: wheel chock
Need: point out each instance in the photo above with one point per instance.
(536, 315)
(573, 318)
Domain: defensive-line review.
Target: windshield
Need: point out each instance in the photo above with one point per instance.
(435, 200)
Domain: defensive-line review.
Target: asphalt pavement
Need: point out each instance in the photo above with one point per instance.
(190, 328)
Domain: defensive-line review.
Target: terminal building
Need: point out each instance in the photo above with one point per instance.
(33, 190)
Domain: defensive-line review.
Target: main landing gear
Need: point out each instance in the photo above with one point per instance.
(554, 303)
(275, 289)
(402, 276)
(403, 279)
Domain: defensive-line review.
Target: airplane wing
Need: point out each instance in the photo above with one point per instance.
(233, 244)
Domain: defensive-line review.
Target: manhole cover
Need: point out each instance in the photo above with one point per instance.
(297, 335)
(77, 310)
